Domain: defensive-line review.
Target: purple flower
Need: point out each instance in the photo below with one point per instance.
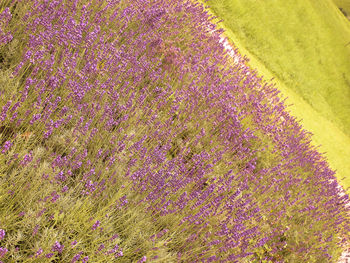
(3, 251)
(49, 255)
(7, 145)
(4, 39)
(76, 257)
(97, 223)
(114, 237)
(35, 230)
(35, 118)
(123, 201)
(39, 252)
(54, 196)
(27, 158)
(102, 246)
(57, 247)
(73, 243)
(64, 189)
(85, 259)
(143, 259)
(60, 177)
(119, 254)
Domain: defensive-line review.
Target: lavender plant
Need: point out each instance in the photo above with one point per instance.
(128, 134)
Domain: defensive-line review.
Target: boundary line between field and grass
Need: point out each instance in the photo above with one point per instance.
(327, 136)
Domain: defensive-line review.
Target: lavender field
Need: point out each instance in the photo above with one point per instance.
(129, 134)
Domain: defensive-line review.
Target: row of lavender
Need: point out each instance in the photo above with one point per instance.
(158, 118)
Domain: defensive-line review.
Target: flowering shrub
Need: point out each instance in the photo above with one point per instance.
(131, 136)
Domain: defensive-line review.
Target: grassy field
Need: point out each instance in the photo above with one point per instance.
(308, 58)
(344, 5)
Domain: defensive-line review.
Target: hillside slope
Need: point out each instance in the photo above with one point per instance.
(344, 5)
(301, 61)
(128, 135)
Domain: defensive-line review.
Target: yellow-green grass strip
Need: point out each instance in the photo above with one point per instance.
(331, 140)
(344, 5)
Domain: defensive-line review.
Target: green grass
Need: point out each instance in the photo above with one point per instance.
(307, 56)
(343, 4)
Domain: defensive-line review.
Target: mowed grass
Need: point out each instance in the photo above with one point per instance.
(343, 4)
(302, 45)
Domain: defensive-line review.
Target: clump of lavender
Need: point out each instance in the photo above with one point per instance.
(132, 136)
(5, 17)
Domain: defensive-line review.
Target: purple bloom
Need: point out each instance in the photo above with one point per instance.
(49, 255)
(76, 257)
(64, 189)
(7, 145)
(119, 254)
(102, 246)
(114, 237)
(3, 251)
(35, 230)
(57, 247)
(35, 118)
(54, 196)
(97, 223)
(39, 252)
(143, 259)
(27, 158)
